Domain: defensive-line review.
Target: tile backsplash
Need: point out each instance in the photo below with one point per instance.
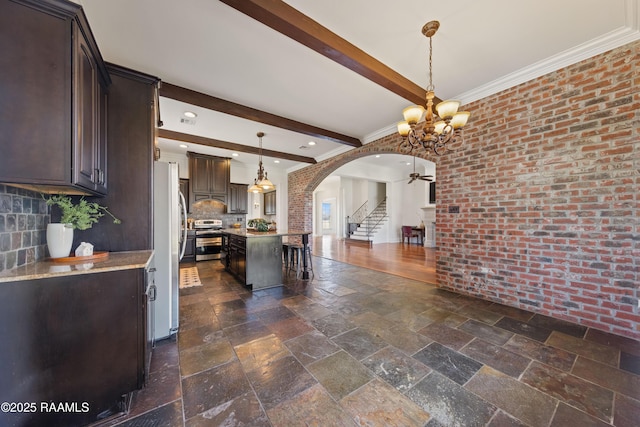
(24, 216)
(213, 209)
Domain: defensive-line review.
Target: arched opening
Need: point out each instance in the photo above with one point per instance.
(378, 183)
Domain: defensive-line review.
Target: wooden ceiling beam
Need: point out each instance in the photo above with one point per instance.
(216, 143)
(298, 26)
(203, 100)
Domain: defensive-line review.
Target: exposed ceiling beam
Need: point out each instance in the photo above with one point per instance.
(298, 26)
(201, 140)
(212, 103)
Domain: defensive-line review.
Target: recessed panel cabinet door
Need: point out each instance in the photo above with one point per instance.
(87, 109)
(220, 175)
(199, 172)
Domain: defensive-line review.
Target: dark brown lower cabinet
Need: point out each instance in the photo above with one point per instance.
(74, 343)
(256, 261)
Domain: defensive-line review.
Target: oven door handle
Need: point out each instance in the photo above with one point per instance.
(183, 204)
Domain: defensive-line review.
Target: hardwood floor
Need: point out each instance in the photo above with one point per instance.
(411, 261)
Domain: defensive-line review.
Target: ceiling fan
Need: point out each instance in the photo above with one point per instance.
(415, 175)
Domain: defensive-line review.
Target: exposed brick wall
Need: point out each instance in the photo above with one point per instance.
(547, 187)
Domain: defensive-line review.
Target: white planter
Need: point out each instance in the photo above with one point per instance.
(59, 240)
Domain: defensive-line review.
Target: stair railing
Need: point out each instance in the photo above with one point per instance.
(356, 218)
(370, 222)
(376, 216)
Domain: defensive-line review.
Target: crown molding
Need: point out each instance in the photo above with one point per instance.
(614, 39)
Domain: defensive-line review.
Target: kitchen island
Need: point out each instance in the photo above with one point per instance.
(255, 258)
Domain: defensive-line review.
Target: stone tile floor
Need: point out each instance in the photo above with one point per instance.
(359, 347)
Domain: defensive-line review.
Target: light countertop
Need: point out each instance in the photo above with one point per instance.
(47, 268)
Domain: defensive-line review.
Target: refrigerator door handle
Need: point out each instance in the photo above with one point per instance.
(183, 203)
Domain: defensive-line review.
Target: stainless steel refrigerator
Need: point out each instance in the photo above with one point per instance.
(169, 236)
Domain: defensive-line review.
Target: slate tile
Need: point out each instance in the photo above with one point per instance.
(487, 332)
(315, 406)
(512, 312)
(502, 419)
(446, 317)
(412, 320)
(607, 376)
(591, 350)
(630, 363)
(227, 319)
(164, 354)
(162, 387)
(275, 314)
(244, 410)
(372, 322)
(340, 374)
(404, 339)
(211, 388)
(568, 416)
(625, 344)
(206, 356)
(396, 368)
(497, 357)
(240, 334)
(533, 349)
(452, 338)
(570, 389)
(530, 331)
(280, 380)
(228, 306)
(627, 411)
(311, 347)
(332, 325)
(449, 403)
(379, 404)
(448, 362)
(473, 312)
(517, 399)
(559, 325)
(312, 311)
(359, 343)
(167, 415)
(290, 328)
(198, 336)
(261, 352)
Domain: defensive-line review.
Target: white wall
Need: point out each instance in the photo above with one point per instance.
(354, 184)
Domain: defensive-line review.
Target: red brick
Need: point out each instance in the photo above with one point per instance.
(558, 156)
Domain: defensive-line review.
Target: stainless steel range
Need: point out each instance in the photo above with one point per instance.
(208, 239)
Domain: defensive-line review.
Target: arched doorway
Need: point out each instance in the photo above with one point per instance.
(303, 182)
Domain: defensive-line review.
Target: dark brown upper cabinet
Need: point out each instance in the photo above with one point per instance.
(238, 200)
(208, 177)
(54, 88)
(270, 203)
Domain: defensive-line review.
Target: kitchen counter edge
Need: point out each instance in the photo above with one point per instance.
(46, 268)
(243, 232)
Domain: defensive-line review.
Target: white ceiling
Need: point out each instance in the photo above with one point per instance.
(482, 47)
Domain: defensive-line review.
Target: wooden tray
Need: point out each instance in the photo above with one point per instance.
(97, 256)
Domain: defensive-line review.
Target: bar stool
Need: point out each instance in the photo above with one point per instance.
(285, 256)
(295, 262)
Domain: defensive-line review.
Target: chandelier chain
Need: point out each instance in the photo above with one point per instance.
(430, 87)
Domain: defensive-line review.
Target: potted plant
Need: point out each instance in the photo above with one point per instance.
(259, 224)
(81, 215)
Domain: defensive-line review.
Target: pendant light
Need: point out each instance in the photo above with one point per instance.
(261, 183)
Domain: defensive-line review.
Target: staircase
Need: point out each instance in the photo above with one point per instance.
(362, 227)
